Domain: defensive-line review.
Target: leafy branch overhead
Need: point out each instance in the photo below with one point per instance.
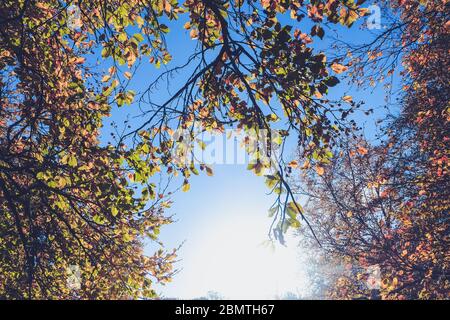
(66, 199)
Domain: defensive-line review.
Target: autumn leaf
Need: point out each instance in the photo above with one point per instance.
(127, 75)
(209, 171)
(293, 164)
(106, 78)
(338, 68)
(348, 99)
(362, 151)
(186, 186)
(320, 170)
(193, 34)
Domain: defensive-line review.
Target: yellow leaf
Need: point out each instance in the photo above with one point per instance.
(106, 78)
(61, 182)
(139, 21)
(394, 282)
(186, 186)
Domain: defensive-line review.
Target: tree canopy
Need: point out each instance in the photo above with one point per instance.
(68, 199)
(386, 204)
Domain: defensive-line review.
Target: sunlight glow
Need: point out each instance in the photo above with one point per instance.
(234, 261)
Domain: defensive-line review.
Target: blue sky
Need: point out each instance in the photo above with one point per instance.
(222, 221)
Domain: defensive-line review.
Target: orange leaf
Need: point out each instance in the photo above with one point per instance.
(293, 164)
(306, 164)
(338, 68)
(348, 99)
(362, 151)
(320, 170)
(194, 34)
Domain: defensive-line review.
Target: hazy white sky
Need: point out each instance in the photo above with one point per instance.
(224, 222)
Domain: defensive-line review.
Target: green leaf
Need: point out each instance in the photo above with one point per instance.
(293, 210)
(105, 52)
(193, 169)
(164, 28)
(41, 176)
(72, 161)
(271, 181)
(98, 219)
